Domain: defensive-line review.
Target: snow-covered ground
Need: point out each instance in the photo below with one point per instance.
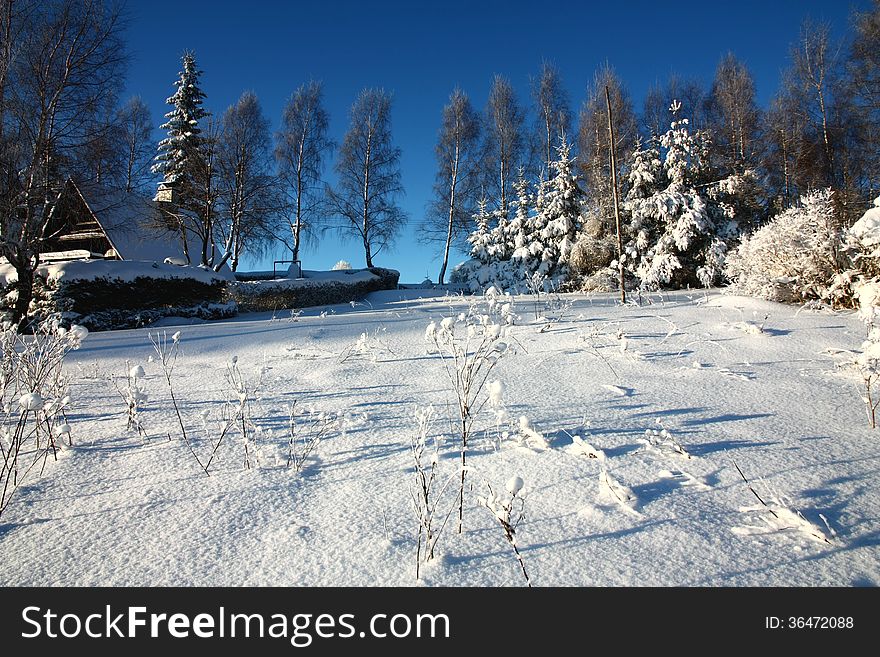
(713, 380)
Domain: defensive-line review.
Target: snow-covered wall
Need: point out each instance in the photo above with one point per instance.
(111, 294)
(314, 289)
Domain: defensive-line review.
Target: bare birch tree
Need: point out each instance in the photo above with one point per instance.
(68, 59)
(456, 186)
(503, 142)
(369, 181)
(135, 125)
(594, 144)
(300, 148)
(734, 117)
(247, 187)
(553, 113)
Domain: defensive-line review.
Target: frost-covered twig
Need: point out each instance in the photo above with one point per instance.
(134, 395)
(785, 517)
(242, 390)
(425, 495)
(368, 345)
(33, 401)
(167, 356)
(306, 430)
(509, 510)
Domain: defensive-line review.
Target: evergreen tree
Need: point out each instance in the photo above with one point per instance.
(558, 217)
(521, 226)
(179, 153)
(677, 242)
(481, 239)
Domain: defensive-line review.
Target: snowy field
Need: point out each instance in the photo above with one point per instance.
(713, 380)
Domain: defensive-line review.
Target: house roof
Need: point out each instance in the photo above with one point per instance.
(131, 224)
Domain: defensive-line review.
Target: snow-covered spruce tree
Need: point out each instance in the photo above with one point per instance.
(522, 225)
(179, 152)
(795, 257)
(481, 239)
(677, 241)
(537, 242)
(488, 250)
(557, 220)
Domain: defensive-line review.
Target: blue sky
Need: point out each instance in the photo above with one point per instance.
(422, 50)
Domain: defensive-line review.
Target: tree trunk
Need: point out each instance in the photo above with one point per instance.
(367, 253)
(25, 288)
(451, 218)
(616, 201)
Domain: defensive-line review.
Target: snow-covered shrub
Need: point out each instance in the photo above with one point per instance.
(867, 361)
(342, 265)
(33, 402)
(110, 294)
(863, 242)
(271, 296)
(795, 257)
(593, 251)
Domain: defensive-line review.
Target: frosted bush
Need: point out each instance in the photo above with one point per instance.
(33, 402)
(795, 257)
(342, 265)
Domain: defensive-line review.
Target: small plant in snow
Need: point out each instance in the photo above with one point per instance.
(530, 437)
(623, 495)
(242, 391)
(581, 447)
(509, 511)
(470, 347)
(342, 265)
(368, 345)
(306, 430)
(33, 401)
(134, 395)
(167, 357)
(662, 441)
(496, 403)
(550, 308)
(426, 493)
(781, 517)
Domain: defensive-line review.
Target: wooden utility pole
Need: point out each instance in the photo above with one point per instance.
(616, 199)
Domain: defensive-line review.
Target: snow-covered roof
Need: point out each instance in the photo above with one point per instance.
(132, 224)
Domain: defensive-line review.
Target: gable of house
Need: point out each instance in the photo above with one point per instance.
(98, 223)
